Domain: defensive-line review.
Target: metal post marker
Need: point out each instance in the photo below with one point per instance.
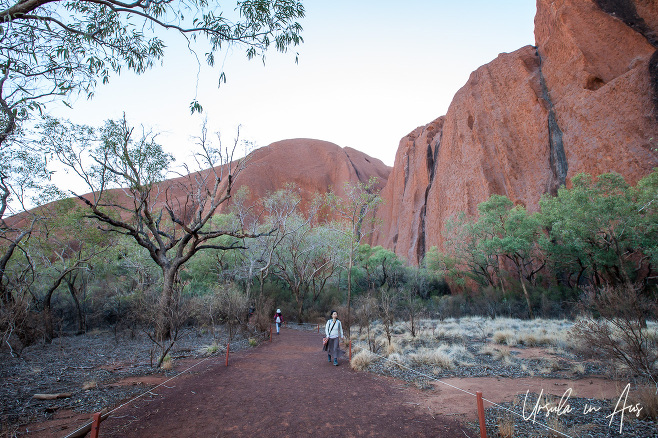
(228, 346)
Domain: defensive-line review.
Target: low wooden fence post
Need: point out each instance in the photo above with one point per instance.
(228, 346)
(483, 425)
(95, 425)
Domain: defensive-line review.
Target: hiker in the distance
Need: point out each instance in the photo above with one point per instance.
(334, 331)
(278, 319)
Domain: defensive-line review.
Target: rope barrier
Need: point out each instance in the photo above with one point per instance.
(100, 417)
(445, 383)
(467, 392)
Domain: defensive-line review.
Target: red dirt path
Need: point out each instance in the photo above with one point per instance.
(285, 388)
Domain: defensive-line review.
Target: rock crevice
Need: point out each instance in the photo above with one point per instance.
(557, 157)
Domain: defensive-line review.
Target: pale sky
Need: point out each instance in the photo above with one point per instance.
(369, 73)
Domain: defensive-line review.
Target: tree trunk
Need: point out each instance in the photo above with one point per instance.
(74, 294)
(349, 289)
(49, 331)
(164, 317)
(300, 309)
(261, 284)
(5, 296)
(47, 311)
(527, 297)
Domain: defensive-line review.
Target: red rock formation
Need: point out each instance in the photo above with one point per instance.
(406, 191)
(314, 166)
(581, 101)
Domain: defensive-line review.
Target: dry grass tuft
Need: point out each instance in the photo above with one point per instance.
(396, 360)
(439, 357)
(578, 368)
(210, 350)
(550, 366)
(488, 350)
(89, 385)
(167, 363)
(506, 337)
(555, 424)
(392, 348)
(497, 353)
(362, 360)
(460, 351)
(529, 340)
(647, 397)
(506, 428)
(451, 334)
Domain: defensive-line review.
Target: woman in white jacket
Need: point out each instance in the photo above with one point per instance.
(334, 331)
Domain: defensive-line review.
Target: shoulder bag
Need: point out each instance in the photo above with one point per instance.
(325, 340)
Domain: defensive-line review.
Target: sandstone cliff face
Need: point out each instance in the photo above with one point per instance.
(314, 166)
(582, 100)
(402, 228)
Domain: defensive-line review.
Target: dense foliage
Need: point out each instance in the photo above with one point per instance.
(599, 233)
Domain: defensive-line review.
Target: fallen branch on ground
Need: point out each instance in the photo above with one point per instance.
(52, 396)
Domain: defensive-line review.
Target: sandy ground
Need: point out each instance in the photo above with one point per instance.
(446, 400)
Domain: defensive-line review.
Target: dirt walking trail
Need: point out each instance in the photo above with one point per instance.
(286, 388)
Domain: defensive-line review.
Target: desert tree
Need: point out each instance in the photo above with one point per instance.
(382, 267)
(612, 327)
(56, 49)
(388, 303)
(24, 181)
(232, 306)
(16, 281)
(53, 49)
(55, 245)
(444, 266)
(64, 245)
(306, 259)
(22, 177)
(76, 283)
(365, 311)
(464, 258)
(274, 217)
(412, 307)
(502, 235)
(278, 212)
(171, 219)
(279, 209)
(603, 230)
(355, 219)
(513, 235)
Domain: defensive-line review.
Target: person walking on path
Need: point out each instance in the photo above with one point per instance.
(334, 331)
(278, 319)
